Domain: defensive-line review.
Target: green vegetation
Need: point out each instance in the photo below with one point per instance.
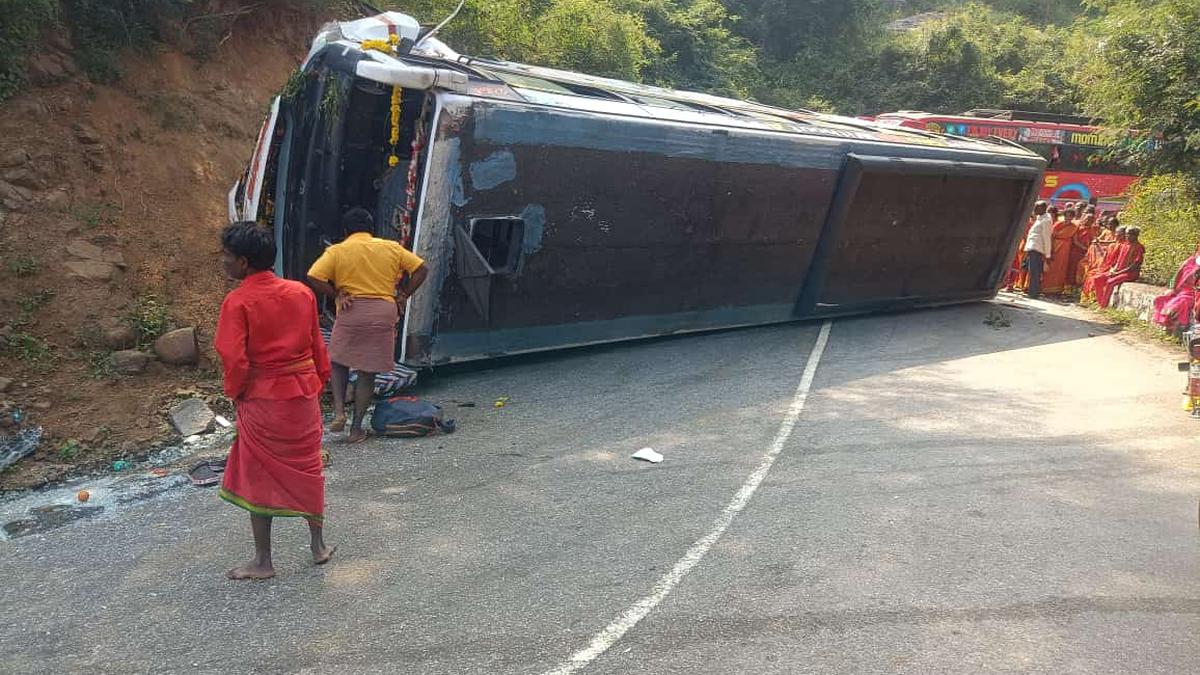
(149, 318)
(1131, 323)
(95, 214)
(23, 266)
(30, 350)
(68, 449)
(1167, 209)
(30, 303)
(21, 25)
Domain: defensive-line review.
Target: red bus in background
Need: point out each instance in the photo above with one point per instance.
(1077, 168)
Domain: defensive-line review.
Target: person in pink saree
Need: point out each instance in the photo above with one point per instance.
(1172, 310)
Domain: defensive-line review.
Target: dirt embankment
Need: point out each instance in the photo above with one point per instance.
(139, 170)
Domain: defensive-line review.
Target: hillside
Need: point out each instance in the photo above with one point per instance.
(134, 172)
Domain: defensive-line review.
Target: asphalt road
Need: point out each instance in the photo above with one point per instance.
(952, 497)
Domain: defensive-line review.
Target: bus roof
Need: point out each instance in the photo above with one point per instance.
(560, 88)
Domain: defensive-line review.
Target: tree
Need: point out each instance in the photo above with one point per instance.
(1144, 76)
(594, 37)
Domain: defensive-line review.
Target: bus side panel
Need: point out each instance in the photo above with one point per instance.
(665, 229)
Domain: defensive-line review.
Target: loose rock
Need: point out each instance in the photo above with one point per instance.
(57, 200)
(46, 68)
(118, 337)
(16, 193)
(87, 135)
(191, 417)
(25, 178)
(178, 347)
(41, 405)
(5, 384)
(81, 248)
(14, 158)
(130, 361)
(91, 270)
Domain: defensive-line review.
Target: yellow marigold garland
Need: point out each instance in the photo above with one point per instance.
(390, 46)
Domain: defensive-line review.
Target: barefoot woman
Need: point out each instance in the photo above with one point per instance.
(372, 279)
(275, 367)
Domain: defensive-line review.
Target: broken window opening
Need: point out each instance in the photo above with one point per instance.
(499, 241)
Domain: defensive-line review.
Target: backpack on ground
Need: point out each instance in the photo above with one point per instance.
(408, 417)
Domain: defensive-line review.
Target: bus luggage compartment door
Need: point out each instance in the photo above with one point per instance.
(906, 232)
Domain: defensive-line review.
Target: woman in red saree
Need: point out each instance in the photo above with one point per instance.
(1172, 310)
(275, 366)
(1084, 234)
(1055, 278)
(1128, 267)
(1101, 265)
(1093, 260)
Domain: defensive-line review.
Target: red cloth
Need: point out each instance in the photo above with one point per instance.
(1127, 268)
(1055, 278)
(1079, 250)
(1102, 268)
(275, 365)
(269, 340)
(274, 466)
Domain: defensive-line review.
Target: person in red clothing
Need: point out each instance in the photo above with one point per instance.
(275, 367)
(1127, 267)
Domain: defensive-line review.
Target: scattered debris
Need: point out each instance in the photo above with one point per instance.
(220, 419)
(17, 446)
(120, 465)
(192, 417)
(207, 473)
(648, 455)
(996, 320)
(83, 495)
(501, 402)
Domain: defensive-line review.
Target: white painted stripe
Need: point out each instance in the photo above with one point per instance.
(638, 610)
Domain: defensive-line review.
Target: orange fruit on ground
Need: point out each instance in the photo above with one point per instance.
(84, 495)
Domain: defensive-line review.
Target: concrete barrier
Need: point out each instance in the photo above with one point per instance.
(1137, 298)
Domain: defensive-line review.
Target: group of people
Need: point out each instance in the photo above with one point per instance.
(1071, 251)
(276, 365)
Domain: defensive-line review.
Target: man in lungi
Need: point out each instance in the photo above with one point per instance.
(372, 280)
(275, 366)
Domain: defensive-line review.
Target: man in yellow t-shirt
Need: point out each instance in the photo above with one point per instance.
(372, 280)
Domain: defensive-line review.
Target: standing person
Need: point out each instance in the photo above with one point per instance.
(1037, 248)
(1093, 260)
(1128, 267)
(371, 280)
(275, 365)
(1054, 281)
(1085, 232)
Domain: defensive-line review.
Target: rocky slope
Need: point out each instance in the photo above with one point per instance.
(111, 198)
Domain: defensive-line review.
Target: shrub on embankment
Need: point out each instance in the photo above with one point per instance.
(1167, 209)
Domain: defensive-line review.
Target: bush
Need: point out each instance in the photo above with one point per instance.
(22, 23)
(1167, 209)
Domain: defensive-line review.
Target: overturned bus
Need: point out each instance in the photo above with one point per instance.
(557, 209)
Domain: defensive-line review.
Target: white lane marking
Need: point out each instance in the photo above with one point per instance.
(638, 610)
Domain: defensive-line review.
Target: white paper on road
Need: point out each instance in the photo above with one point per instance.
(648, 455)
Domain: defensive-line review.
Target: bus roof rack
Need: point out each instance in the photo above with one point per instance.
(1027, 116)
